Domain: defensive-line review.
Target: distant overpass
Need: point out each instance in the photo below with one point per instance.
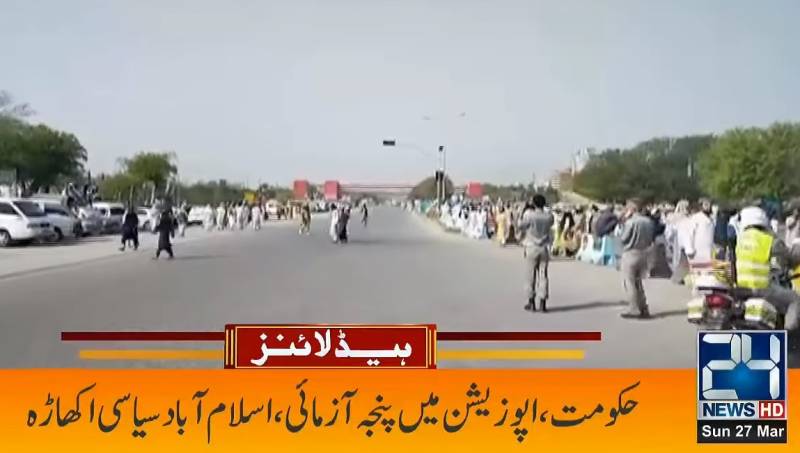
(333, 189)
(376, 188)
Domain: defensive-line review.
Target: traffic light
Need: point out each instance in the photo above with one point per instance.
(439, 176)
(389, 143)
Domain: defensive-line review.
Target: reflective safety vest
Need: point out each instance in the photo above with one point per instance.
(753, 250)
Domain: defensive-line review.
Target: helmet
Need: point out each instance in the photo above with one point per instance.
(753, 216)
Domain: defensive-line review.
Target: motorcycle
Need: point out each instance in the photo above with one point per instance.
(718, 305)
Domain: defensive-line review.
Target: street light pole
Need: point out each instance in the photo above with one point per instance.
(439, 172)
(442, 184)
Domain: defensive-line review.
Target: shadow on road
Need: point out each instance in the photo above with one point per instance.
(668, 314)
(66, 242)
(198, 257)
(388, 241)
(586, 306)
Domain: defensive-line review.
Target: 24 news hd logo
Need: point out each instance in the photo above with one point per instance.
(741, 386)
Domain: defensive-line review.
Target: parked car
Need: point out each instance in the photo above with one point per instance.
(112, 214)
(22, 220)
(198, 214)
(274, 209)
(148, 218)
(63, 222)
(91, 221)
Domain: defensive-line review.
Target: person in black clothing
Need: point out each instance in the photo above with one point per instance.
(166, 231)
(657, 261)
(130, 229)
(364, 214)
(605, 223)
(341, 226)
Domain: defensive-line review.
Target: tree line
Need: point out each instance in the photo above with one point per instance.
(150, 176)
(426, 189)
(35, 157)
(38, 158)
(738, 165)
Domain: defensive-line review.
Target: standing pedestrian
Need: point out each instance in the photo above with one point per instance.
(699, 243)
(183, 220)
(221, 211)
(636, 238)
(258, 216)
(364, 213)
(166, 231)
(305, 219)
(501, 220)
(675, 234)
(232, 215)
(208, 220)
(130, 229)
(341, 224)
(334, 222)
(537, 227)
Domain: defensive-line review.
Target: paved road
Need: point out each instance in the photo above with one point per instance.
(401, 269)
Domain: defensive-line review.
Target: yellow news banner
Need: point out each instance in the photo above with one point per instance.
(375, 410)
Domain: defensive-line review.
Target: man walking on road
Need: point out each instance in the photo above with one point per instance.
(699, 245)
(364, 213)
(221, 211)
(130, 229)
(341, 225)
(305, 219)
(537, 227)
(637, 237)
(258, 216)
(166, 231)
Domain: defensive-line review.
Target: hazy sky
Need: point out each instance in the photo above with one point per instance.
(276, 90)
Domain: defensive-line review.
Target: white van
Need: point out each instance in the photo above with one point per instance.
(63, 222)
(112, 214)
(22, 220)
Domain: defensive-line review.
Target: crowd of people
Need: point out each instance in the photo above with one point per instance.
(499, 221)
(340, 219)
(679, 241)
(226, 216)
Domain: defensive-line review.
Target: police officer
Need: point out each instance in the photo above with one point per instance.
(756, 248)
(637, 237)
(537, 227)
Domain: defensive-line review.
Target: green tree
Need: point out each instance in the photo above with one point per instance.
(426, 189)
(41, 156)
(753, 162)
(10, 109)
(50, 155)
(280, 193)
(11, 139)
(151, 167)
(212, 192)
(657, 169)
(120, 187)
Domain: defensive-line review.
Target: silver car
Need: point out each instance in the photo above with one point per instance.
(91, 221)
(111, 214)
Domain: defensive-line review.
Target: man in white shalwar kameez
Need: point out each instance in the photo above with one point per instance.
(258, 216)
(699, 246)
(334, 221)
(221, 212)
(232, 216)
(208, 221)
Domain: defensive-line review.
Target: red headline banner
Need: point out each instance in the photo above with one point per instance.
(330, 346)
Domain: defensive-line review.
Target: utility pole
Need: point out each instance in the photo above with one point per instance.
(443, 168)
